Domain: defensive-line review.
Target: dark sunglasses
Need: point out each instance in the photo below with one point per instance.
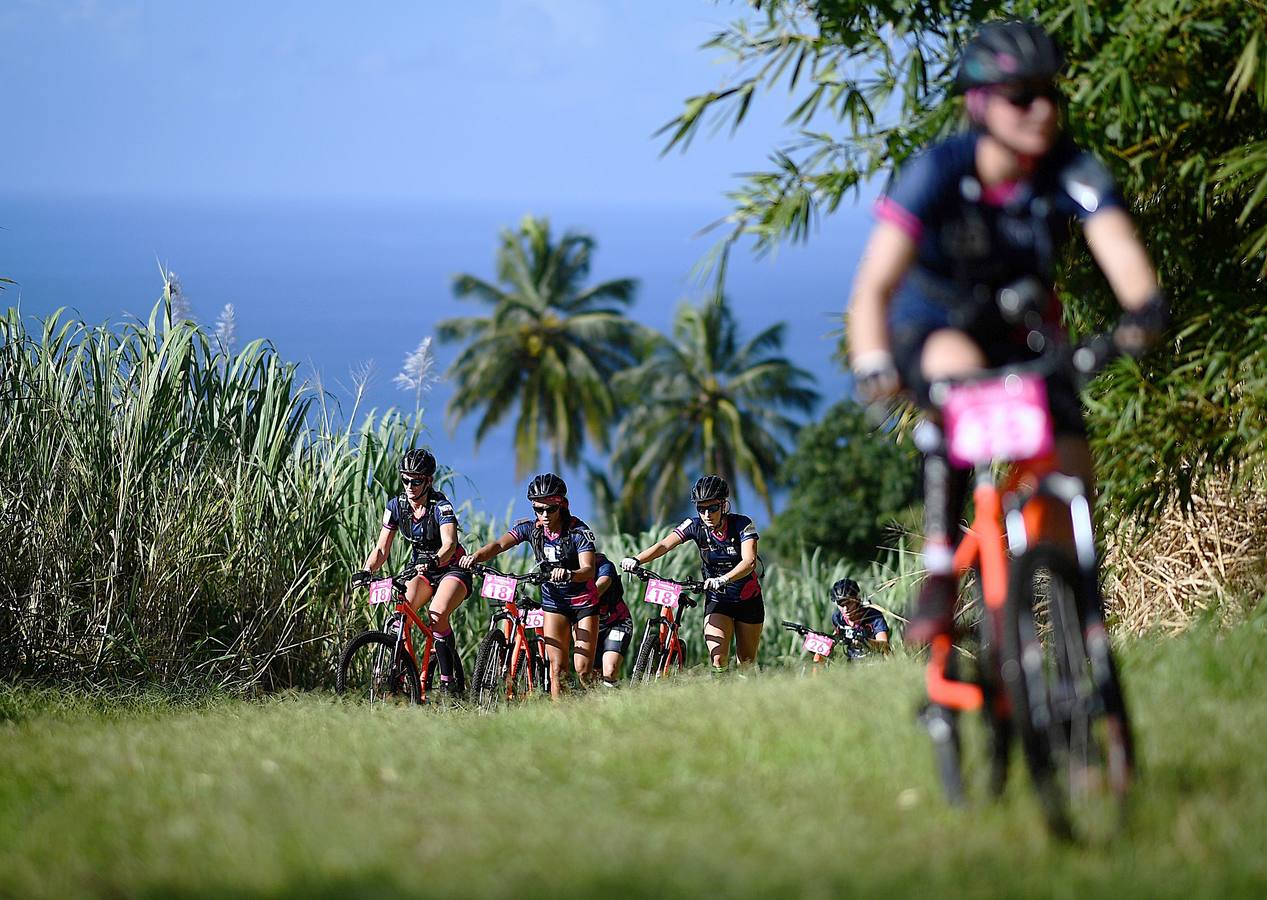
(416, 482)
(545, 510)
(1024, 95)
(707, 507)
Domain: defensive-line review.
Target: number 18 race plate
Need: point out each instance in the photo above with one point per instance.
(499, 587)
(381, 591)
(662, 593)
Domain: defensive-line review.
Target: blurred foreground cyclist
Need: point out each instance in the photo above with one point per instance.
(974, 223)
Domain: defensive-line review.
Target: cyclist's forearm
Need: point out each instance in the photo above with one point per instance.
(652, 553)
(375, 560)
(445, 554)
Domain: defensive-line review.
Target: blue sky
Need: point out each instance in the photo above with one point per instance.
(328, 167)
(459, 102)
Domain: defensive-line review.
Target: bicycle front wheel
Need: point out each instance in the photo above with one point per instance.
(650, 653)
(1066, 698)
(375, 669)
(490, 670)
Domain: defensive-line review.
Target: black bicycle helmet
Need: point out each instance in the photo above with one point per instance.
(710, 487)
(547, 485)
(844, 589)
(1013, 50)
(418, 462)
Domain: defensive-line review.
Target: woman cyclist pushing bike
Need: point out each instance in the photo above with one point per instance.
(727, 545)
(615, 623)
(426, 519)
(565, 545)
(969, 225)
(856, 621)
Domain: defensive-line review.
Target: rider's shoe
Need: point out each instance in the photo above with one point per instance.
(934, 611)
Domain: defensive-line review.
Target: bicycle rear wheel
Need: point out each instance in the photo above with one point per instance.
(375, 669)
(1066, 698)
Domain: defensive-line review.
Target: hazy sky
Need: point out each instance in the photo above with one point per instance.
(504, 101)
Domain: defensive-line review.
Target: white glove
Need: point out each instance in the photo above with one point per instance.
(715, 584)
(874, 376)
(628, 564)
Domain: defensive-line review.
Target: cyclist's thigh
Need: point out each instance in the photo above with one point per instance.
(949, 353)
(747, 638)
(449, 594)
(585, 635)
(718, 628)
(417, 591)
(558, 632)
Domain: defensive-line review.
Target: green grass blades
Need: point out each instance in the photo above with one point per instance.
(765, 785)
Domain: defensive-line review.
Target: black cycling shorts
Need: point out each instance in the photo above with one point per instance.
(916, 316)
(615, 638)
(573, 614)
(434, 577)
(750, 611)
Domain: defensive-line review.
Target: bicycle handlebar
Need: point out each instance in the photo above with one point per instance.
(644, 574)
(806, 630)
(538, 576)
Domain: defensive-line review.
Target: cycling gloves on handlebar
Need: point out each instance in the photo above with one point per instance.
(1138, 329)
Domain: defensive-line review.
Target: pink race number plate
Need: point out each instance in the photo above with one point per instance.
(662, 593)
(499, 587)
(817, 643)
(381, 591)
(535, 618)
(1004, 419)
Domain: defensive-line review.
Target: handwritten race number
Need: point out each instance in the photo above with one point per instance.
(817, 643)
(1004, 419)
(534, 618)
(662, 593)
(499, 587)
(381, 591)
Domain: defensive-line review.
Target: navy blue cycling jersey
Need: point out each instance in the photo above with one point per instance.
(562, 549)
(871, 622)
(720, 552)
(972, 237)
(422, 531)
(611, 602)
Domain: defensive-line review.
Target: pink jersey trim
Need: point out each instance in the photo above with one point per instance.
(1000, 194)
(887, 210)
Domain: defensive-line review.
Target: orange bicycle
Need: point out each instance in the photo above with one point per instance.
(511, 660)
(661, 651)
(817, 643)
(382, 665)
(1041, 664)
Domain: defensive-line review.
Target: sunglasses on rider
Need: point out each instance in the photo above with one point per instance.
(707, 507)
(415, 482)
(545, 510)
(1022, 96)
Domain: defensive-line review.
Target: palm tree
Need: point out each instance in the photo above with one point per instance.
(702, 403)
(551, 346)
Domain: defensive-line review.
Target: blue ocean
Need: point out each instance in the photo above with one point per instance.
(338, 286)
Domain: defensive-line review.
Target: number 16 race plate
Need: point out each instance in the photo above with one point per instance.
(662, 593)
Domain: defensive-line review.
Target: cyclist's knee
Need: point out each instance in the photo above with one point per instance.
(948, 353)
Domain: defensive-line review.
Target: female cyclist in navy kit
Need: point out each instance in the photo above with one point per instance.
(961, 224)
(426, 518)
(727, 545)
(565, 545)
(615, 623)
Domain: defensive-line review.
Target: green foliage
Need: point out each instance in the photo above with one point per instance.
(550, 345)
(1170, 93)
(704, 399)
(174, 513)
(847, 485)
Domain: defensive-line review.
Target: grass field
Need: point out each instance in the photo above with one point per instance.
(770, 785)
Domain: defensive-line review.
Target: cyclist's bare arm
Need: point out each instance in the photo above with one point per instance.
(587, 566)
(448, 543)
(889, 254)
(378, 555)
(659, 548)
(602, 583)
(747, 561)
(880, 642)
(488, 551)
(1119, 253)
